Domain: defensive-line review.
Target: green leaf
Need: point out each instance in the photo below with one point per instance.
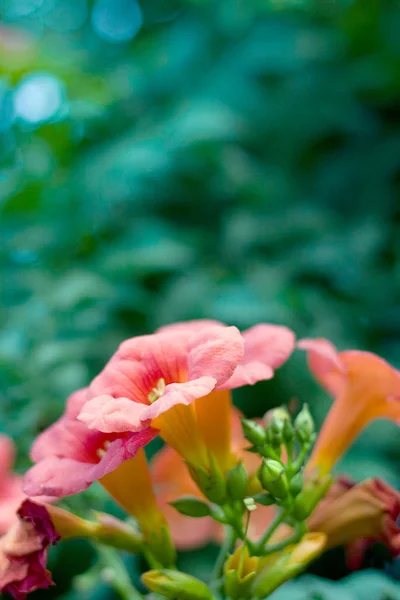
(191, 506)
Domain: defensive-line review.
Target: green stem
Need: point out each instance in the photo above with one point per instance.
(293, 539)
(116, 574)
(258, 548)
(226, 548)
(298, 463)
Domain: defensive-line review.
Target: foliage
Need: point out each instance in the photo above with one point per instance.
(232, 160)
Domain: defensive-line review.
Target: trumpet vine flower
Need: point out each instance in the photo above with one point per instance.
(178, 380)
(365, 388)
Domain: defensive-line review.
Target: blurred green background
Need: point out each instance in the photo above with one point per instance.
(176, 159)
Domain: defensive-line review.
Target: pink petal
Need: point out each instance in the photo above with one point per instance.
(68, 438)
(140, 363)
(180, 393)
(325, 363)
(114, 415)
(64, 476)
(215, 352)
(190, 326)
(270, 344)
(75, 403)
(11, 496)
(266, 348)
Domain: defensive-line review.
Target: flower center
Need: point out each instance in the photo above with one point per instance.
(101, 451)
(157, 391)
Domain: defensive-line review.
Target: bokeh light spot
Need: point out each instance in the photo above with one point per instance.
(21, 8)
(63, 17)
(117, 20)
(38, 98)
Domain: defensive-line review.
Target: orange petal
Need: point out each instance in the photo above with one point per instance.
(131, 486)
(366, 387)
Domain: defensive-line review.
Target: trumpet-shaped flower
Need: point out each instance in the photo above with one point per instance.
(11, 494)
(365, 388)
(23, 551)
(178, 379)
(356, 515)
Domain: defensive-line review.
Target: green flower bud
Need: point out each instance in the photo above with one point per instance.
(210, 482)
(311, 494)
(253, 432)
(275, 569)
(304, 425)
(174, 584)
(236, 482)
(273, 479)
(118, 534)
(288, 432)
(191, 506)
(296, 484)
(279, 414)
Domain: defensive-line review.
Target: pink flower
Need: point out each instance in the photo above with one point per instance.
(365, 388)
(151, 374)
(178, 379)
(69, 456)
(154, 380)
(11, 494)
(23, 551)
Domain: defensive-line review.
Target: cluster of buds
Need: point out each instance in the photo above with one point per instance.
(283, 446)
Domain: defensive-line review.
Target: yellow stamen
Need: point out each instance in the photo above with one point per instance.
(157, 391)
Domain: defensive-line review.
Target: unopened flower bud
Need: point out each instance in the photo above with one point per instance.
(310, 496)
(253, 432)
(210, 482)
(174, 584)
(240, 571)
(118, 534)
(304, 425)
(273, 479)
(236, 482)
(281, 566)
(288, 432)
(296, 484)
(279, 414)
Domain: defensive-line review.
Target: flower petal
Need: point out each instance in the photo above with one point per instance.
(68, 438)
(140, 363)
(61, 477)
(266, 347)
(325, 363)
(215, 352)
(114, 415)
(180, 393)
(193, 326)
